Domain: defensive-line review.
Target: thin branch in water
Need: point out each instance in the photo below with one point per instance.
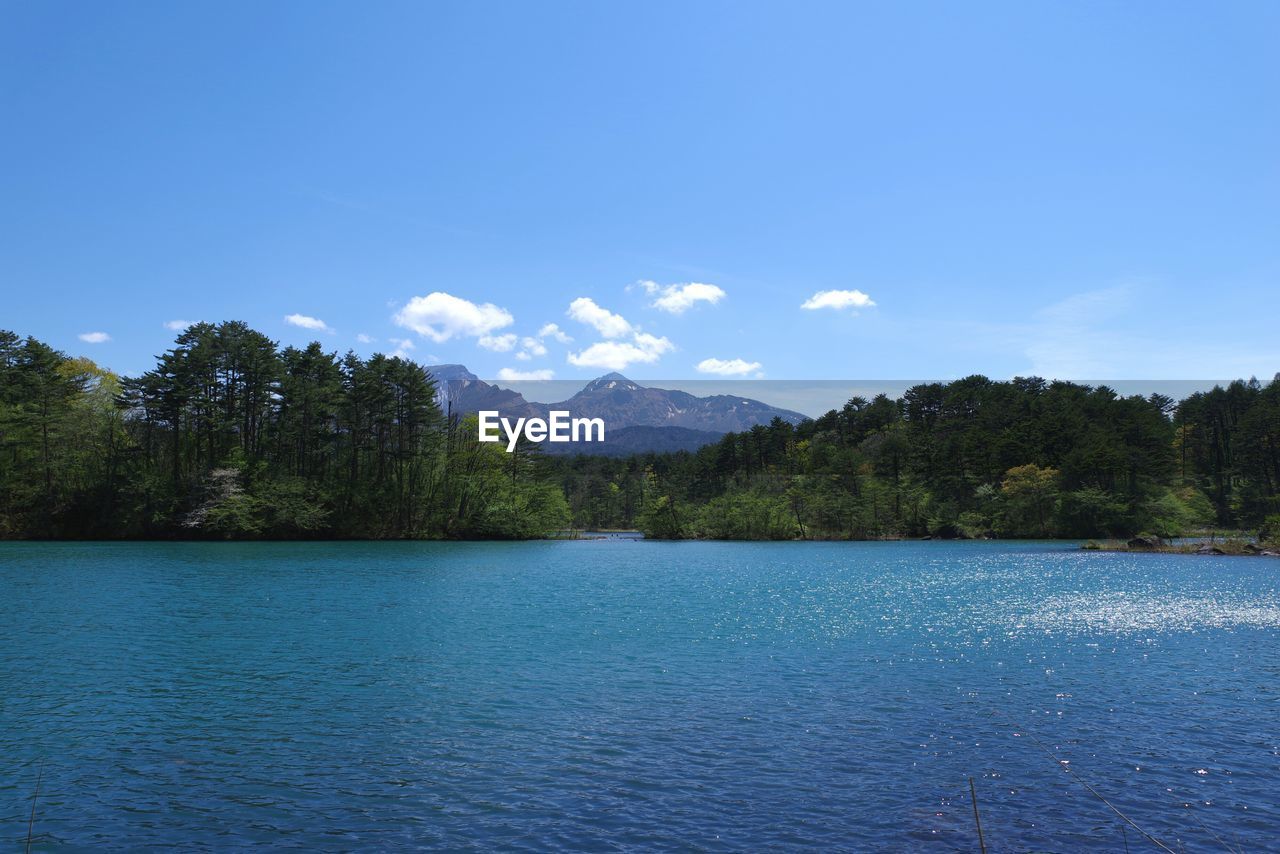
(973, 795)
(35, 797)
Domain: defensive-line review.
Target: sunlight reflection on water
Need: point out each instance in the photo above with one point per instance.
(596, 694)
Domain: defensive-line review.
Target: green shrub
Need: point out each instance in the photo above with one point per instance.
(1091, 512)
(747, 516)
(1270, 531)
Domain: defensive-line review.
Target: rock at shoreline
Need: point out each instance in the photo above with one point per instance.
(1207, 549)
(1145, 541)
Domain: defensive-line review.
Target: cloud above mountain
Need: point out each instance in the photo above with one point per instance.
(618, 355)
(728, 367)
(610, 325)
(511, 375)
(612, 353)
(441, 316)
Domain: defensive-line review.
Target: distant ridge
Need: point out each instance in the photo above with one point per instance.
(460, 392)
(623, 404)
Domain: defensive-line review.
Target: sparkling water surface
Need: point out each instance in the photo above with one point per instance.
(620, 695)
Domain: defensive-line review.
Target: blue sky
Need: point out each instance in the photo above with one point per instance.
(1079, 190)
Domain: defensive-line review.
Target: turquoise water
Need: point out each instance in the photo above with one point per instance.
(621, 694)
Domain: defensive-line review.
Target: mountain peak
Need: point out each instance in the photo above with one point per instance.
(621, 402)
(612, 380)
(451, 373)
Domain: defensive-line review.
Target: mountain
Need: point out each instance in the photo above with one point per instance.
(460, 392)
(623, 404)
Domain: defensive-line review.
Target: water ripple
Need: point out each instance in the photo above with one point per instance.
(629, 695)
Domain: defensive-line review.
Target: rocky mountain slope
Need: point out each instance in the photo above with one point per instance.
(623, 404)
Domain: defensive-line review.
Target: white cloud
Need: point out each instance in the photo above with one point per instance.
(653, 344)
(365, 339)
(617, 355)
(728, 367)
(511, 375)
(313, 323)
(554, 331)
(530, 347)
(613, 354)
(94, 337)
(178, 325)
(498, 343)
(403, 346)
(440, 316)
(838, 300)
(608, 324)
(677, 299)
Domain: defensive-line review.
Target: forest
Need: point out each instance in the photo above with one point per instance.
(970, 458)
(231, 437)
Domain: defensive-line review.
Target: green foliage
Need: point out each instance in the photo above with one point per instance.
(1228, 445)
(971, 458)
(751, 515)
(1091, 512)
(1028, 496)
(230, 512)
(1270, 530)
(487, 492)
(531, 511)
(1169, 513)
(283, 508)
(660, 517)
(228, 437)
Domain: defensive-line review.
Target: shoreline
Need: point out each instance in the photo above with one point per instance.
(1220, 548)
(1227, 547)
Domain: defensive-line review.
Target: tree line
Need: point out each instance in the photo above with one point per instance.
(231, 437)
(969, 458)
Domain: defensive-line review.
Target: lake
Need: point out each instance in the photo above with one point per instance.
(630, 694)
